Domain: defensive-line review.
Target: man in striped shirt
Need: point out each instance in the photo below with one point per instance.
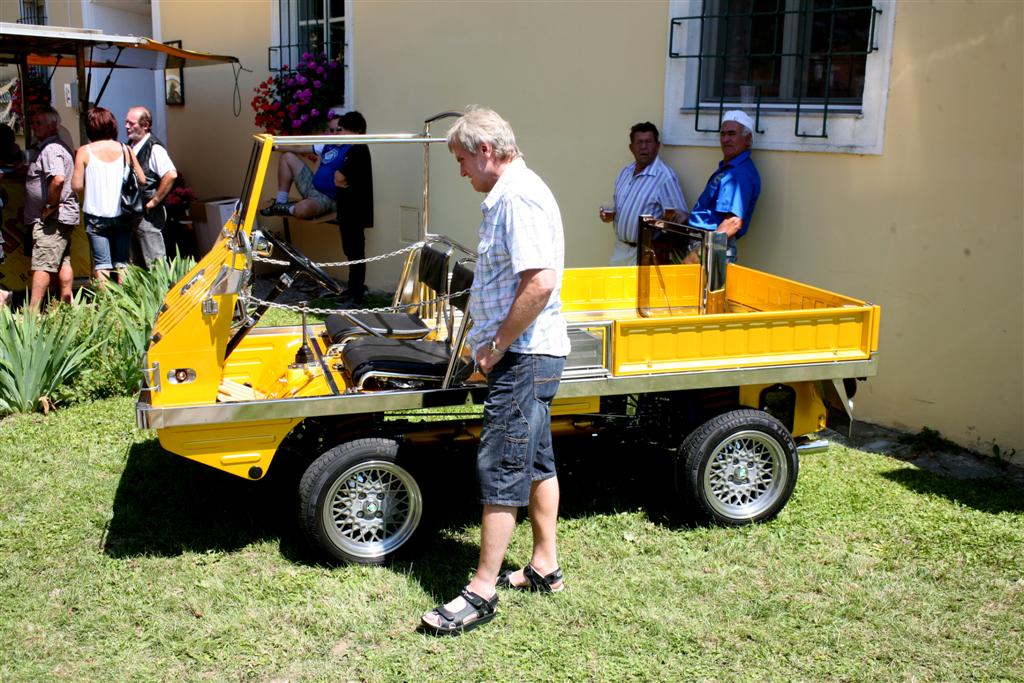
(645, 187)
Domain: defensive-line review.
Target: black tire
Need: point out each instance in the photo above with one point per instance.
(737, 468)
(357, 504)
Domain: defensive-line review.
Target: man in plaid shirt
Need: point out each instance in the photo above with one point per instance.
(519, 342)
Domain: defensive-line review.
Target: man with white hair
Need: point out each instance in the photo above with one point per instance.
(160, 176)
(727, 202)
(519, 342)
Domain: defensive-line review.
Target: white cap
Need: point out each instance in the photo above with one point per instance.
(740, 117)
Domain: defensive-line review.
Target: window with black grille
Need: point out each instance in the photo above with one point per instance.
(786, 55)
(314, 26)
(33, 12)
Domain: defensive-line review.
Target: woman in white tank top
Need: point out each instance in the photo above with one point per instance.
(100, 170)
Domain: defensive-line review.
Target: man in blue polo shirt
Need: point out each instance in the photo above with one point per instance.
(727, 202)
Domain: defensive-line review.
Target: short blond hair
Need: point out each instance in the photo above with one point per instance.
(481, 125)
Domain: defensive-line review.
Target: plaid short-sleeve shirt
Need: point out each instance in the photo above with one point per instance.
(521, 230)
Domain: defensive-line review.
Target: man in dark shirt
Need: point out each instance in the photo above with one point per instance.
(354, 182)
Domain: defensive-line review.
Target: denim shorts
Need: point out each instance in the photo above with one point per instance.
(110, 239)
(515, 442)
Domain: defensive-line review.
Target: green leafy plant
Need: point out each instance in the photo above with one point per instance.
(1001, 454)
(131, 309)
(39, 354)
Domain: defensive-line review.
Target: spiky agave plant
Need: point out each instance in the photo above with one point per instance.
(40, 353)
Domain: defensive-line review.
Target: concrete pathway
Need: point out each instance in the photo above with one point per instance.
(950, 461)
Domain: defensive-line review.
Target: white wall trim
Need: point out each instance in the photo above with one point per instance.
(855, 133)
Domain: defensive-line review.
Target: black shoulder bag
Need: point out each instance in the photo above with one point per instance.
(132, 201)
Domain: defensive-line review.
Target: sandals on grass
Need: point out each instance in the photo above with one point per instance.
(455, 624)
(541, 584)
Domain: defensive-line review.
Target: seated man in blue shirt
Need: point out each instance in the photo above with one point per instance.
(727, 202)
(317, 189)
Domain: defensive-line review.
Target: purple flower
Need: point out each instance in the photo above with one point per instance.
(303, 118)
(296, 124)
(307, 55)
(314, 112)
(333, 64)
(321, 71)
(290, 82)
(302, 80)
(317, 84)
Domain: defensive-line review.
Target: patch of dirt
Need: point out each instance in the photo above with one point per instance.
(941, 457)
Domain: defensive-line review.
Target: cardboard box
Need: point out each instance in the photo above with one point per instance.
(208, 218)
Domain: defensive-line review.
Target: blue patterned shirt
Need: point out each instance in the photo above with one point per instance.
(650, 192)
(521, 230)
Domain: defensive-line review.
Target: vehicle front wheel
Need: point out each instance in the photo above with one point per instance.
(358, 504)
(737, 468)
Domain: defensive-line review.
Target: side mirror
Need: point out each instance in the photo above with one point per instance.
(261, 246)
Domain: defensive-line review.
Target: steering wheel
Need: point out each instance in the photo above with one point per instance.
(302, 262)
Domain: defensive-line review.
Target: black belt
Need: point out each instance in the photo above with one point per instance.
(632, 244)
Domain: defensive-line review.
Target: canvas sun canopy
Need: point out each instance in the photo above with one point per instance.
(59, 46)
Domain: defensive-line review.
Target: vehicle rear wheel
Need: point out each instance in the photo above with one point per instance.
(738, 468)
(357, 504)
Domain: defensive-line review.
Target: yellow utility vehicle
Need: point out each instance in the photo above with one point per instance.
(724, 367)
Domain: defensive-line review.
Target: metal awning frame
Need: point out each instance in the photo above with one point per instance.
(55, 46)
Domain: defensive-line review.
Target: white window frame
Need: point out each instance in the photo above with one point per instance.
(853, 130)
(293, 57)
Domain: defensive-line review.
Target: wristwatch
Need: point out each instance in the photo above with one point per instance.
(494, 348)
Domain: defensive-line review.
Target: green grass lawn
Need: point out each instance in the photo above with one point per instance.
(120, 562)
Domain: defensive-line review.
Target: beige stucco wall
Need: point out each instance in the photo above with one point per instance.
(931, 229)
(208, 143)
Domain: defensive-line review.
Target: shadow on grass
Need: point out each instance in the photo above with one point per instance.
(985, 495)
(166, 505)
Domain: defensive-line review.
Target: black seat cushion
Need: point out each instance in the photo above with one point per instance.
(402, 325)
(399, 356)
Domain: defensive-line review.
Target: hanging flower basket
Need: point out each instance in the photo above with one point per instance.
(297, 101)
